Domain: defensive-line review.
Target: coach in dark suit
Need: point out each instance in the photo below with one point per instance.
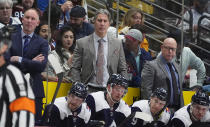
(87, 59)
(163, 72)
(29, 53)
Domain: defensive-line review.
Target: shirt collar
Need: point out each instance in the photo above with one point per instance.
(139, 52)
(105, 38)
(23, 34)
(3, 67)
(163, 59)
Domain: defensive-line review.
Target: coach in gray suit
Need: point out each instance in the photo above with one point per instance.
(158, 73)
(86, 58)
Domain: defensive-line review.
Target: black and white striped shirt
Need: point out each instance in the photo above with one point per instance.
(17, 106)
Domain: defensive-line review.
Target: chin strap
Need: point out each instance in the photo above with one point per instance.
(110, 96)
(191, 114)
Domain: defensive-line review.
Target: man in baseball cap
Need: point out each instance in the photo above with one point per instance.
(135, 56)
(77, 22)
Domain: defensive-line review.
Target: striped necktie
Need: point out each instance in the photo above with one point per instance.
(26, 44)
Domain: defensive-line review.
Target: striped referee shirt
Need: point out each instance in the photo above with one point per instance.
(17, 106)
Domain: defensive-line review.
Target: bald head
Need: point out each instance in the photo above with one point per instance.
(169, 40)
(168, 49)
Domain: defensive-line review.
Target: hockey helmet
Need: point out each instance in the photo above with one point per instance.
(160, 93)
(79, 89)
(117, 79)
(201, 98)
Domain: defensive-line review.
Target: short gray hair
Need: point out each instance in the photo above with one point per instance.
(10, 2)
(102, 11)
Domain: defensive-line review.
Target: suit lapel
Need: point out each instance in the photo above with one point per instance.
(178, 71)
(92, 49)
(110, 50)
(19, 44)
(162, 66)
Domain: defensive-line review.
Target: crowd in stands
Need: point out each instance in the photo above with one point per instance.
(100, 67)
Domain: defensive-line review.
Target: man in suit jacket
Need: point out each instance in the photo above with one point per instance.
(85, 67)
(157, 73)
(34, 59)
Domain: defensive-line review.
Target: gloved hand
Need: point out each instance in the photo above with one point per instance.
(155, 124)
(96, 123)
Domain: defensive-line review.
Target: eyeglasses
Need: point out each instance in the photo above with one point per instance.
(169, 48)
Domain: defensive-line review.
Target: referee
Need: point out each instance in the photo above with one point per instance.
(17, 106)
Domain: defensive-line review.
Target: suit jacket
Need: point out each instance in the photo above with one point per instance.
(84, 59)
(154, 75)
(37, 46)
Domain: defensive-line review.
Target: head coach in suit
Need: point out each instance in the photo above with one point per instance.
(29, 53)
(92, 66)
(163, 72)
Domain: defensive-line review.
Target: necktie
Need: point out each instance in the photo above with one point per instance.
(100, 62)
(174, 85)
(26, 44)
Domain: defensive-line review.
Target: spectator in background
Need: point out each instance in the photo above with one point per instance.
(135, 57)
(54, 22)
(29, 53)
(134, 16)
(65, 6)
(55, 13)
(163, 72)
(77, 22)
(44, 31)
(199, 9)
(97, 56)
(6, 14)
(60, 59)
(20, 8)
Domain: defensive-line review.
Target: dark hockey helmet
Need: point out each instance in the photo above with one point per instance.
(201, 98)
(160, 93)
(79, 89)
(117, 79)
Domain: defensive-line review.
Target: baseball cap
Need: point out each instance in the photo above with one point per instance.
(77, 12)
(134, 34)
